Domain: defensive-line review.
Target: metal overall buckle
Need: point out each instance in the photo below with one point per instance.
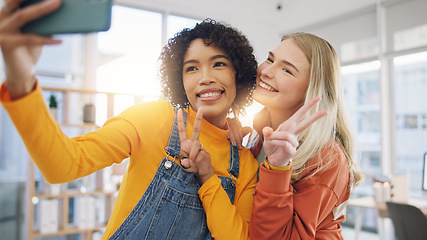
(168, 163)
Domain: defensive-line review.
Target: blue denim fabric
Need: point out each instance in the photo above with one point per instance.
(229, 183)
(170, 207)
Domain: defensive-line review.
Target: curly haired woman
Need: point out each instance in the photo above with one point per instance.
(175, 187)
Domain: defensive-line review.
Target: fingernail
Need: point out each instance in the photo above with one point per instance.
(48, 2)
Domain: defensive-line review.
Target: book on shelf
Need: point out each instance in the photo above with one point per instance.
(48, 215)
(85, 210)
(97, 235)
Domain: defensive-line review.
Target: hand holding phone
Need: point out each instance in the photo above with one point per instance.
(74, 16)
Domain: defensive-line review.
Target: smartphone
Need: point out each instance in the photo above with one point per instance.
(74, 16)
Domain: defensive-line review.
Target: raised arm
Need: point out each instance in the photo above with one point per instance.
(277, 214)
(21, 51)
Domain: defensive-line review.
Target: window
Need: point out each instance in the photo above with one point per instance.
(410, 84)
(13, 155)
(423, 121)
(128, 56)
(410, 38)
(128, 52)
(359, 49)
(411, 122)
(362, 96)
(176, 23)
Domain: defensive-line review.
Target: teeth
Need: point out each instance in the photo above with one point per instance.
(209, 94)
(265, 86)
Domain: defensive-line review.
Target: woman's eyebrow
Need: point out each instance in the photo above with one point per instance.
(218, 56)
(290, 64)
(284, 61)
(190, 61)
(210, 59)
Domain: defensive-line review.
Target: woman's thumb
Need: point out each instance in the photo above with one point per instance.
(267, 131)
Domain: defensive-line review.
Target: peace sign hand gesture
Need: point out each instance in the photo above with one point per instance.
(281, 145)
(194, 158)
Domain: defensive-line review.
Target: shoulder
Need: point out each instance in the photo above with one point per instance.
(333, 154)
(148, 114)
(332, 168)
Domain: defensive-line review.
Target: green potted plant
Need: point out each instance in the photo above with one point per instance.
(52, 102)
(53, 105)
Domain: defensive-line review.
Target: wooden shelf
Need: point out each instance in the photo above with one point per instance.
(64, 226)
(74, 194)
(68, 232)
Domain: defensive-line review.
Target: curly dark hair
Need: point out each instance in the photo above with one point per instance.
(229, 40)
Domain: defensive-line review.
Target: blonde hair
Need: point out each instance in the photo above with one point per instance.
(326, 82)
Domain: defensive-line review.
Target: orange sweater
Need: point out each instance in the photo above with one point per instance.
(141, 133)
(307, 209)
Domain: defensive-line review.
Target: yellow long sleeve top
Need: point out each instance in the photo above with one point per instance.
(140, 133)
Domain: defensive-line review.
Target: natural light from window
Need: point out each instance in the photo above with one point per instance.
(128, 56)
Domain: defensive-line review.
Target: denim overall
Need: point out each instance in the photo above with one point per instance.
(170, 207)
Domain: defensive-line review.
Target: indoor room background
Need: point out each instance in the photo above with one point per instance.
(382, 45)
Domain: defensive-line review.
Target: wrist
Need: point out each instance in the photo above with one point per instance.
(285, 167)
(205, 177)
(19, 90)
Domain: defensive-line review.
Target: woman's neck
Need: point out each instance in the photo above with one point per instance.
(219, 123)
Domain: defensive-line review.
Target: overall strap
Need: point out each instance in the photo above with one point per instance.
(174, 145)
(233, 167)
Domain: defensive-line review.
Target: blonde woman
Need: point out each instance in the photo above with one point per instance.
(309, 170)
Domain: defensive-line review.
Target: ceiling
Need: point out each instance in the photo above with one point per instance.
(295, 14)
(292, 14)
